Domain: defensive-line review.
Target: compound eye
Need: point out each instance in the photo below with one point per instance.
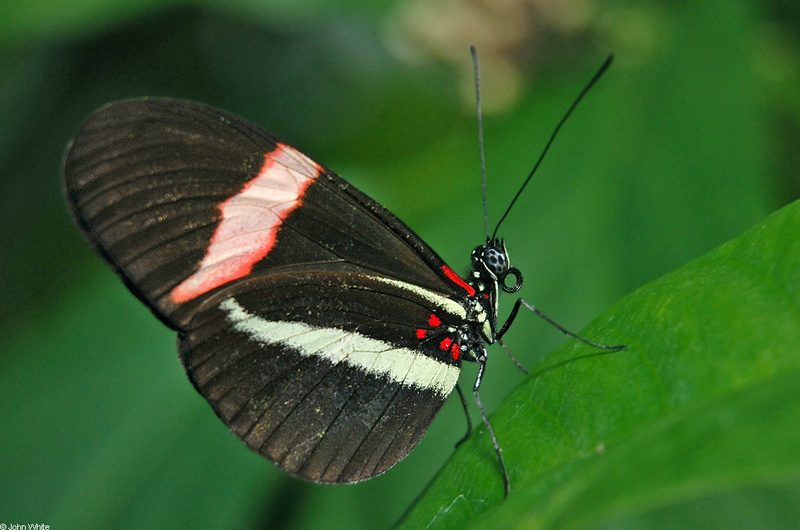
(496, 262)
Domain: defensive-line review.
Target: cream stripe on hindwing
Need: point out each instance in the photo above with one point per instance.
(377, 358)
(451, 306)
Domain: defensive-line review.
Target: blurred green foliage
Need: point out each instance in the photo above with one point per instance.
(691, 138)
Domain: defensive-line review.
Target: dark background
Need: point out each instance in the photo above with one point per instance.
(692, 137)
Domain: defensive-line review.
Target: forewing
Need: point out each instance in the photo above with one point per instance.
(182, 199)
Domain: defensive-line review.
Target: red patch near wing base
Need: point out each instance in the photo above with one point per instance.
(455, 278)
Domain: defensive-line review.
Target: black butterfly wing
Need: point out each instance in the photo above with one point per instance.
(149, 182)
(245, 246)
(322, 372)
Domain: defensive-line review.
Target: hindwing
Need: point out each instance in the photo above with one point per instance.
(324, 373)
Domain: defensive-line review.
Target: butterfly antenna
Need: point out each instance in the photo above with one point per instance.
(477, 68)
(586, 89)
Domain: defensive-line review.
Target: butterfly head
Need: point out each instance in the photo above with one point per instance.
(491, 262)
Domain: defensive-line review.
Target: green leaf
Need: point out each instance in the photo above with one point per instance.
(699, 413)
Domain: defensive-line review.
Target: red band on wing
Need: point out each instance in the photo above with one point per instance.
(450, 273)
(250, 222)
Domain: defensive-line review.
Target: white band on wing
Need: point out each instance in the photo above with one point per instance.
(377, 358)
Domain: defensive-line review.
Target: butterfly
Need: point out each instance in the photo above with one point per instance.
(322, 330)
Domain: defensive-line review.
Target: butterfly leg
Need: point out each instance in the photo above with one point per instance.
(481, 369)
(521, 301)
(466, 413)
(512, 356)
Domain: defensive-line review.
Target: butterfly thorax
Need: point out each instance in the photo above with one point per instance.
(491, 269)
